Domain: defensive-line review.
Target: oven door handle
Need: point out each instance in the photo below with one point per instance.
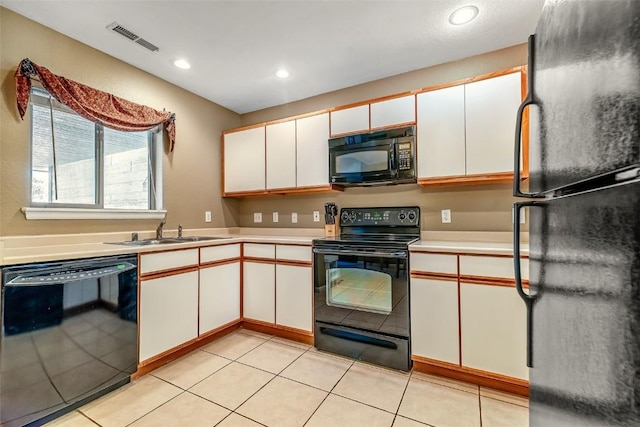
(378, 254)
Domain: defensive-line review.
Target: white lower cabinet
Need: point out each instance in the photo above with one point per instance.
(168, 312)
(493, 325)
(434, 319)
(219, 296)
(259, 291)
(294, 296)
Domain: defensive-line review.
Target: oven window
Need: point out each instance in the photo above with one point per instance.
(362, 161)
(358, 288)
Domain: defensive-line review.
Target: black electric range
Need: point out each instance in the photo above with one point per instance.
(361, 285)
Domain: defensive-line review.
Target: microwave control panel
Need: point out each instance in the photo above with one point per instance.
(405, 153)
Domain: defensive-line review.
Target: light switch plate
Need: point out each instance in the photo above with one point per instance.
(446, 216)
(316, 216)
(275, 217)
(294, 218)
(257, 217)
(207, 216)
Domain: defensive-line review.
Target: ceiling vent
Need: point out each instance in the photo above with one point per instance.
(115, 27)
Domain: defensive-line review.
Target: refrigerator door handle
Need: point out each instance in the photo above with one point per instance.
(526, 297)
(528, 100)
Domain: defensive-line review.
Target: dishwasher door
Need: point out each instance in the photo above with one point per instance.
(69, 335)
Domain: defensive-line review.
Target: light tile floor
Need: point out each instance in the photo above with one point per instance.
(251, 379)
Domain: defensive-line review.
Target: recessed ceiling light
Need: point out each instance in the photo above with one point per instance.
(182, 63)
(463, 15)
(282, 73)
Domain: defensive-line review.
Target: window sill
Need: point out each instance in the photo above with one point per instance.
(75, 213)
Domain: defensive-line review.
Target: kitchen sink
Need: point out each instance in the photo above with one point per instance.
(166, 240)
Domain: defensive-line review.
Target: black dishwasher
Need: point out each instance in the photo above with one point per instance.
(69, 335)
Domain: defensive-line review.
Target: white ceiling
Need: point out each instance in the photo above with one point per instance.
(235, 47)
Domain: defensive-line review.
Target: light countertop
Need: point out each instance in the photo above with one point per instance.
(29, 249)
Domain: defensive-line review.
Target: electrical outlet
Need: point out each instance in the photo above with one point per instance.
(207, 216)
(257, 217)
(294, 217)
(316, 216)
(446, 216)
(275, 217)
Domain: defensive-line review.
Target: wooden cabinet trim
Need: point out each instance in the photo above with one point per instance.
(220, 262)
(397, 125)
(286, 191)
(498, 73)
(293, 334)
(491, 281)
(491, 178)
(470, 375)
(259, 260)
(453, 253)
(294, 263)
(435, 276)
(166, 273)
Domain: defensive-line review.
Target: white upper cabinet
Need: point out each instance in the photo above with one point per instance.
(491, 107)
(312, 152)
(394, 111)
(244, 160)
(281, 155)
(441, 135)
(350, 120)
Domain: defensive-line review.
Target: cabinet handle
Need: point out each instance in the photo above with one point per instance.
(528, 100)
(527, 298)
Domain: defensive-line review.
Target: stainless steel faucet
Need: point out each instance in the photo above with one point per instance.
(179, 231)
(159, 229)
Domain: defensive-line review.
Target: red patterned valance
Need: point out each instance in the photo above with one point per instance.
(92, 104)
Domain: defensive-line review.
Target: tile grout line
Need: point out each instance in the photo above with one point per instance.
(157, 407)
(82, 414)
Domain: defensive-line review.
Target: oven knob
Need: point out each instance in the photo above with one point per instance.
(402, 216)
(345, 216)
(352, 217)
(412, 216)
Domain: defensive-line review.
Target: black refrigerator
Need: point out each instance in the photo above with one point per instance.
(583, 300)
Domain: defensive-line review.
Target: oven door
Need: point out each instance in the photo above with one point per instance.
(366, 162)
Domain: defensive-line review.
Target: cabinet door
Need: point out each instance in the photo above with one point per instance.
(493, 324)
(219, 296)
(312, 151)
(490, 107)
(394, 111)
(281, 155)
(441, 138)
(434, 319)
(244, 160)
(168, 313)
(294, 296)
(350, 120)
(259, 291)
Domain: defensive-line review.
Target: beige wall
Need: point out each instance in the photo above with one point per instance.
(477, 208)
(191, 172)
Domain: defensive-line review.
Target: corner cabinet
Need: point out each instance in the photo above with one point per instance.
(466, 131)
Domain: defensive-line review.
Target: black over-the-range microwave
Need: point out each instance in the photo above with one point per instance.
(376, 158)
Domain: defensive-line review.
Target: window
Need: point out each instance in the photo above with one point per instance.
(85, 165)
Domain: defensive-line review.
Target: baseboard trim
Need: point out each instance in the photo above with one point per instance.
(470, 375)
(293, 334)
(162, 359)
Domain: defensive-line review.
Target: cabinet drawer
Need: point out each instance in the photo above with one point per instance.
(434, 263)
(217, 253)
(293, 253)
(259, 250)
(491, 267)
(162, 261)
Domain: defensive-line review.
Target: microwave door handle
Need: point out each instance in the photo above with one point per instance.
(392, 155)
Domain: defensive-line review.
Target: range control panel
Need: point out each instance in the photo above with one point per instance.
(404, 216)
